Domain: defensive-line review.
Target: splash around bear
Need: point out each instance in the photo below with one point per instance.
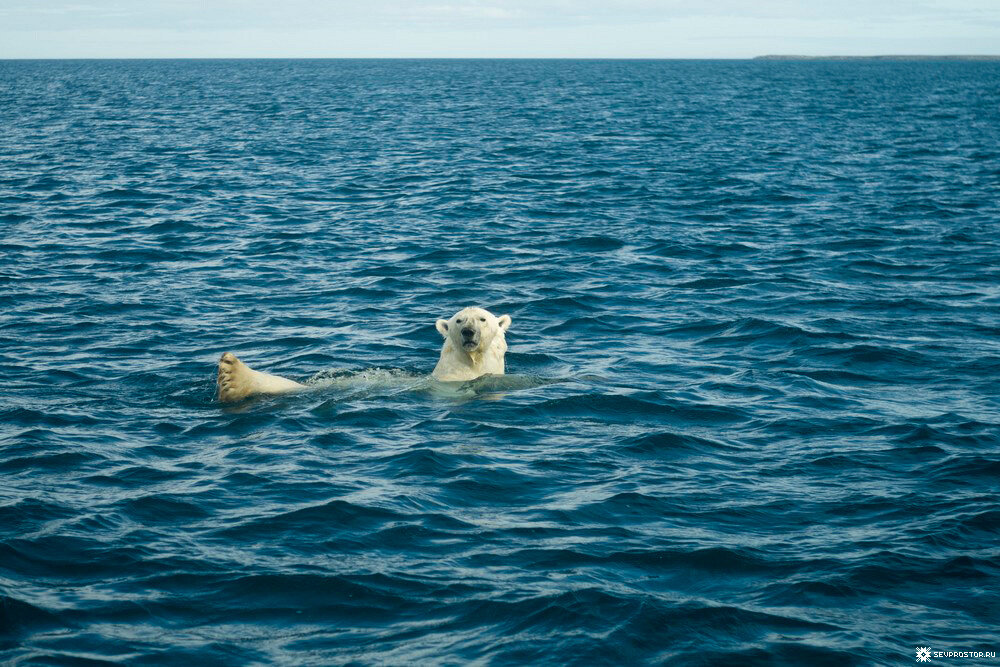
(474, 345)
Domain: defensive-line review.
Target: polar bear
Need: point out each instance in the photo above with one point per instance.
(474, 345)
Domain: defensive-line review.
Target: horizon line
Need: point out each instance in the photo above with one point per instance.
(898, 56)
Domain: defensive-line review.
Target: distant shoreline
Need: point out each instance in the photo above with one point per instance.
(887, 57)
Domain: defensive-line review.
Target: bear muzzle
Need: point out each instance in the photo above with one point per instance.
(470, 338)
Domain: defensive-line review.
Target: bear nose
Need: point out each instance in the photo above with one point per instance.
(468, 331)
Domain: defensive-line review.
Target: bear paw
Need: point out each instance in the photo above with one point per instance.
(236, 380)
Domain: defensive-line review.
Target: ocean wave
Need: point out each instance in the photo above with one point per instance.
(750, 411)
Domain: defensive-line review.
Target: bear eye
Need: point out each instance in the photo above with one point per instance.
(459, 320)
(482, 319)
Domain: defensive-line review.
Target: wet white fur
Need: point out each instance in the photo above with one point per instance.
(236, 380)
(458, 363)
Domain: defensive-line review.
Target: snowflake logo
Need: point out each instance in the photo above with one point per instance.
(923, 654)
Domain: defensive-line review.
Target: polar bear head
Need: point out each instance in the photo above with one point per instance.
(474, 329)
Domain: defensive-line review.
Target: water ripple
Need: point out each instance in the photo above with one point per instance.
(750, 415)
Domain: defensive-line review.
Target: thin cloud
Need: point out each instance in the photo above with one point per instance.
(469, 11)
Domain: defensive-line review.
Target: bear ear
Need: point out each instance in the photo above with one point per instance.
(504, 322)
(442, 327)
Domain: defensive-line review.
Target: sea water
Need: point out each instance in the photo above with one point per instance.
(751, 412)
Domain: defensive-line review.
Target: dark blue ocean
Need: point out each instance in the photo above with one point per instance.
(752, 410)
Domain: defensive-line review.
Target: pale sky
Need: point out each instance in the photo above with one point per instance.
(494, 28)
